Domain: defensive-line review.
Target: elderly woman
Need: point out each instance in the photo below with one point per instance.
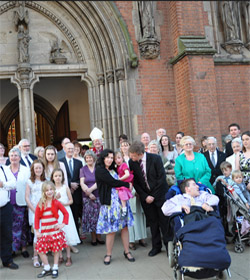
(242, 161)
(17, 199)
(154, 147)
(191, 164)
(39, 152)
(237, 147)
(90, 198)
(3, 159)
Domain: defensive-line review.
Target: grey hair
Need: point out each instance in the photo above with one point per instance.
(90, 153)
(155, 142)
(165, 131)
(187, 138)
(15, 150)
(37, 150)
(238, 140)
(212, 138)
(23, 140)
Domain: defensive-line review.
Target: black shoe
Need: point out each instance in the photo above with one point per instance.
(11, 265)
(107, 262)
(100, 241)
(132, 259)
(44, 273)
(154, 252)
(25, 254)
(93, 243)
(54, 273)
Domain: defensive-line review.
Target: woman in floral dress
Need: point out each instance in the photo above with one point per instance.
(110, 219)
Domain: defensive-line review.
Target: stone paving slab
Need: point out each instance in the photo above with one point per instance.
(88, 265)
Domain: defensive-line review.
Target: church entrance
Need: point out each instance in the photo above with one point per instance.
(61, 109)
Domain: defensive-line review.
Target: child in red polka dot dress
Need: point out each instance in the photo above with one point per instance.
(50, 237)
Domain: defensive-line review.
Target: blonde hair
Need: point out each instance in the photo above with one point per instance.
(43, 199)
(187, 138)
(235, 173)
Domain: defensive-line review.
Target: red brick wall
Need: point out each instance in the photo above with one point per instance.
(194, 95)
(233, 93)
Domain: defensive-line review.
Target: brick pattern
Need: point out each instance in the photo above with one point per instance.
(194, 95)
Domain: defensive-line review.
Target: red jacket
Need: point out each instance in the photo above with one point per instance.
(55, 206)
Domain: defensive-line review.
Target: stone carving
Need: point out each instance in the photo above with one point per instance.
(120, 75)
(56, 55)
(110, 76)
(100, 79)
(229, 12)
(24, 76)
(246, 14)
(21, 15)
(149, 45)
(23, 45)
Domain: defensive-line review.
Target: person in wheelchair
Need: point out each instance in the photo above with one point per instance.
(191, 196)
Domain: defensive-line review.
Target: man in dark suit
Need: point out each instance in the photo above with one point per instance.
(73, 167)
(214, 158)
(150, 184)
(234, 130)
(26, 157)
(61, 154)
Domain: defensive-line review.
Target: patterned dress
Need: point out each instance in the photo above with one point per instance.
(90, 208)
(110, 215)
(245, 168)
(51, 240)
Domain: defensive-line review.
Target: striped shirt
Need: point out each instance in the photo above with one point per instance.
(48, 223)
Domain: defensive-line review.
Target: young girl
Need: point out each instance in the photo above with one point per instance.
(63, 194)
(124, 175)
(50, 237)
(32, 196)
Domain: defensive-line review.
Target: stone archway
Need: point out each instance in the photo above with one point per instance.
(11, 111)
(102, 54)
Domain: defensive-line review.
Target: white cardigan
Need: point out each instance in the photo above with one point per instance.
(22, 178)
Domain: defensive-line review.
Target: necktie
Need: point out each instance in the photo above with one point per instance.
(226, 178)
(29, 163)
(144, 175)
(70, 168)
(192, 201)
(213, 159)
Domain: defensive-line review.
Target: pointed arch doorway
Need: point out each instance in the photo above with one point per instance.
(51, 125)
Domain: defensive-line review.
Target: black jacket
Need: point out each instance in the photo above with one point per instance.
(156, 178)
(215, 171)
(33, 157)
(105, 182)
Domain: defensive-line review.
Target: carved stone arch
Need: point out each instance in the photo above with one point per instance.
(98, 34)
(41, 105)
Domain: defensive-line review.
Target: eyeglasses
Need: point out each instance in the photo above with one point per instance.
(26, 146)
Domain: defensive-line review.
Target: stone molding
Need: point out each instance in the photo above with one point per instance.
(100, 79)
(192, 45)
(120, 74)
(149, 48)
(33, 5)
(110, 76)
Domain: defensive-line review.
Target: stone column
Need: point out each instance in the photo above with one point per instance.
(26, 105)
(110, 80)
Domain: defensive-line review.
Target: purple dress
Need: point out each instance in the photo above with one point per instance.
(91, 208)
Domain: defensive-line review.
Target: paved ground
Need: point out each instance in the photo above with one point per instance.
(88, 264)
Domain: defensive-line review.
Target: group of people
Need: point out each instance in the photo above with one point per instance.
(54, 197)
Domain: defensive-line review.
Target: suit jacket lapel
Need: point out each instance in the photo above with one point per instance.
(148, 162)
(67, 167)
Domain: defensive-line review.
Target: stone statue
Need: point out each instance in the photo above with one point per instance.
(23, 45)
(149, 44)
(229, 12)
(147, 22)
(21, 15)
(246, 13)
(56, 55)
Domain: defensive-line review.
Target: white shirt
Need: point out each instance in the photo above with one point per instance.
(8, 184)
(25, 160)
(215, 156)
(72, 163)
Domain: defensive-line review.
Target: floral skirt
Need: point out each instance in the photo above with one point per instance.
(90, 214)
(53, 243)
(110, 219)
